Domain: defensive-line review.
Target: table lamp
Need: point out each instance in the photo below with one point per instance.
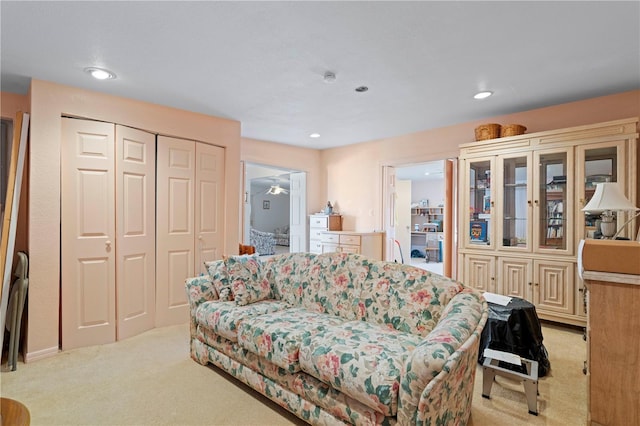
(607, 199)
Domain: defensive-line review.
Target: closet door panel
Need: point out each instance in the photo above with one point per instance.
(209, 204)
(88, 234)
(175, 228)
(136, 230)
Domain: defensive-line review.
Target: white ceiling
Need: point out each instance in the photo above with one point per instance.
(262, 63)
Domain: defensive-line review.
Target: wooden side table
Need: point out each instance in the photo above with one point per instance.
(14, 413)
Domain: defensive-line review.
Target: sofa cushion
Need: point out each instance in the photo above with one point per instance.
(247, 279)
(288, 275)
(219, 278)
(362, 360)
(277, 336)
(406, 298)
(223, 318)
(334, 284)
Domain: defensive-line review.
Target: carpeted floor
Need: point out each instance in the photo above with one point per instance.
(150, 380)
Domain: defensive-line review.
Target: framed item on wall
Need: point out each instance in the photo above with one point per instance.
(266, 205)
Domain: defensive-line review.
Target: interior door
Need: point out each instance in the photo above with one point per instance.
(297, 212)
(209, 204)
(389, 209)
(175, 228)
(135, 231)
(403, 229)
(88, 233)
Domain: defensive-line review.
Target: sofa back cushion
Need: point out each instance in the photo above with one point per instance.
(288, 274)
(404, 297)
(326, 283)
(220, 279)
(248, 279)
(335, 283)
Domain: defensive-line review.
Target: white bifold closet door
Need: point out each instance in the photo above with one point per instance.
(107, 232)
(190, 202)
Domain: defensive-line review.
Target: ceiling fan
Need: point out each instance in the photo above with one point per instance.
(276, 189)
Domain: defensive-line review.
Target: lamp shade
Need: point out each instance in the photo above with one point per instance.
(608, 197)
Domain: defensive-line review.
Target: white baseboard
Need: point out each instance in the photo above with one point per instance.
(41, 354)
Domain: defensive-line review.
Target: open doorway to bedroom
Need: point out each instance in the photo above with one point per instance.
(274, 218)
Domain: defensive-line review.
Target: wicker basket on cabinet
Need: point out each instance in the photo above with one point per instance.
(512, 130)
(487, 131)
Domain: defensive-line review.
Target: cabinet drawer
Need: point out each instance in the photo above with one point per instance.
(318, 222)
(350, 239)
(329, 248)
(350, 249)
(330, 238)
(315, 246)
(316, 233)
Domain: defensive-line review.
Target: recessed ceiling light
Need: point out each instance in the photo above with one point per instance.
(362, 89)
(329, 77)
(314, 135)
(100, 73)
(482, 95)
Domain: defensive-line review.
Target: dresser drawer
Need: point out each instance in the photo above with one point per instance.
(315, 246)
(350, 249)
(316, 233)
(318, 222)
(330, 238)
(350, 239)
(330, 248)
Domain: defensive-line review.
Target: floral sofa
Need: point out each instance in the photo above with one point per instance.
(336, 338)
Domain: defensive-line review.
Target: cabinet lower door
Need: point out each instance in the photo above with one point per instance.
(479, 272)
(515, 277)
(554, 286)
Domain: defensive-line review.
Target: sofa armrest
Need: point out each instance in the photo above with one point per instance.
(436, 385)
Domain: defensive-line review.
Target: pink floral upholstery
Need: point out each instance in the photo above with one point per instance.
(344, 339)
(360, 359)
(277, 336)
(225, 317)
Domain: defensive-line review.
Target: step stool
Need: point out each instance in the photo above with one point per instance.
(491, 369)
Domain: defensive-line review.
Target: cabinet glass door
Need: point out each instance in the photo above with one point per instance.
(553, 190)
(596, 163)
(480, 203)
(515, 202)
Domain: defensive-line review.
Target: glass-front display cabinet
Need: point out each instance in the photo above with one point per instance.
(515, 203)
(553, 200)
(479, 202)
(596, 163)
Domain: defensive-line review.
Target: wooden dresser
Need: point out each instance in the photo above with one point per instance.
(365, 243)
(612, 279)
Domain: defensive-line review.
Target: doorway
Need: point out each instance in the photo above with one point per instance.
(275, 203)
(424, 215)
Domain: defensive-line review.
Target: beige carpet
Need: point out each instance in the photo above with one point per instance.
(150, 380)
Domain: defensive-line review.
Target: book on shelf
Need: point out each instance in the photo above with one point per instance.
(478, 230)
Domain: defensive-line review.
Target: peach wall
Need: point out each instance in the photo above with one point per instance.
(48, 103)
(10, 103)
(289, 157)
(354, 173)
